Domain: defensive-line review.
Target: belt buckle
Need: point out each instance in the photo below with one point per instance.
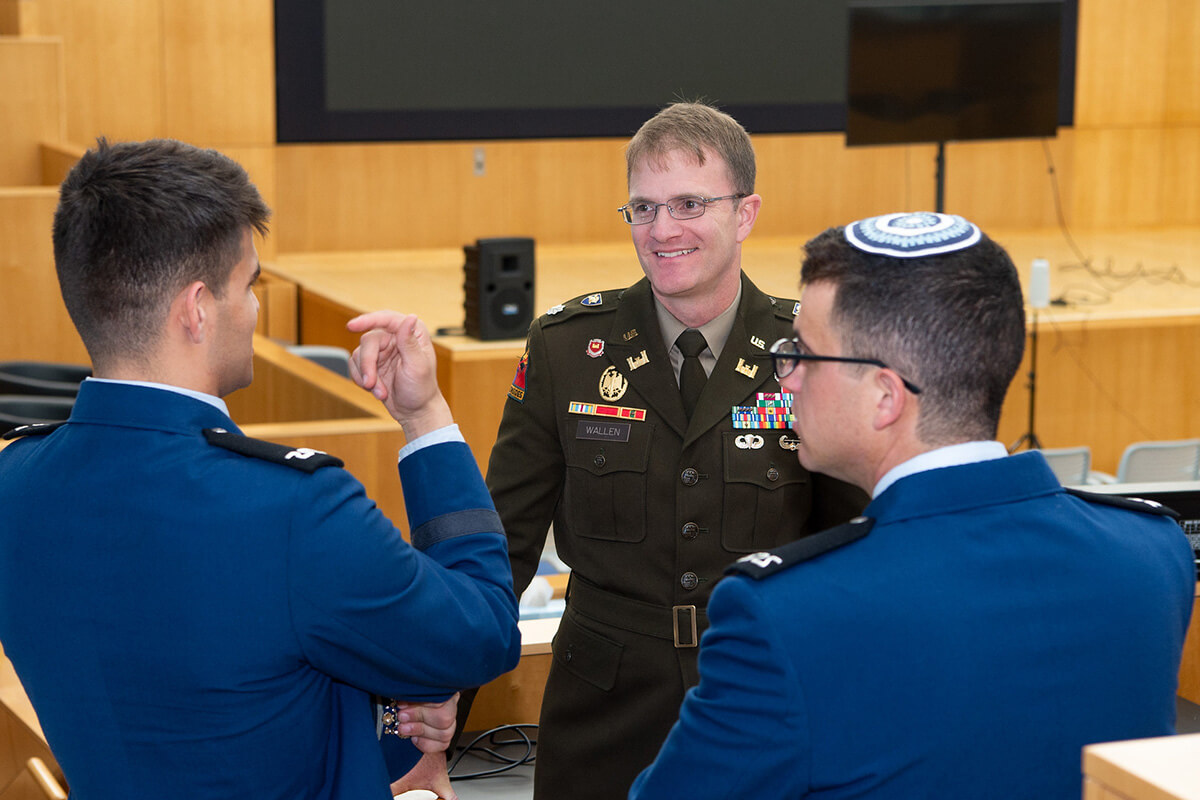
(689, 625)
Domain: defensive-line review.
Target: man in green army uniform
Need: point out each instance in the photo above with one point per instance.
(659, 456)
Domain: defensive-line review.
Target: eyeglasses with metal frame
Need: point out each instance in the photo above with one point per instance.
(787, 355)
(641, 212)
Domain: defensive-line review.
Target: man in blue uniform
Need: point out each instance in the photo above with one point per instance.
(195, 614)
(979, 624)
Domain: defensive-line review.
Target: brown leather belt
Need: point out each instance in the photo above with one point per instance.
(679, 624)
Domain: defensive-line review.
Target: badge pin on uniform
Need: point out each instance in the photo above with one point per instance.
(749, 370)
(612, 384)
(640, 360)
(595, 348)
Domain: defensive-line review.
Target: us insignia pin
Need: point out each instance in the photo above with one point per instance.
(757, 342)
(595, 348)
(592, 300)
(749, 370)
(640, 360)
(630, 335)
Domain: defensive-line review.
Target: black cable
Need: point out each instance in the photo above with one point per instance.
(491, 751)
(1116, 281)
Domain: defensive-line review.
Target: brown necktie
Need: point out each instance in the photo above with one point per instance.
(691, 375)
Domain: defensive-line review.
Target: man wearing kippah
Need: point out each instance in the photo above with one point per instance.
(979, 624)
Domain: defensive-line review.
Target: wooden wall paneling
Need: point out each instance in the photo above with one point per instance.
(113, 56)
(323, 321)
(1183, 62)
(35, 321)
(475, 383)
(219, 71)
(1117, 178)
(1189, 668)
(19, 18)
(1108, 384)
(572, 191)
(1121, 65)
(57, 160)
(278, 308)
(289, 388)
(811, 182)
(31, 105)
(1181, 172)
(425, 194)
(1007, 184)
(259, 163)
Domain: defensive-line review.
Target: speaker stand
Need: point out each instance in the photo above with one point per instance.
(1029, 439)
(940, 178)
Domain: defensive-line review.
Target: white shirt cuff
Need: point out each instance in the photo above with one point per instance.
(450, 433)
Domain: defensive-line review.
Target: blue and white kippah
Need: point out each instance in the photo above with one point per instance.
(912, 235)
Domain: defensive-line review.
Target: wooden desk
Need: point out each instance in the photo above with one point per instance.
(1165, 768)
(1114, 368)
(1189, 669)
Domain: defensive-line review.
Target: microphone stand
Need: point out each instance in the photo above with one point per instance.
(1029, 438)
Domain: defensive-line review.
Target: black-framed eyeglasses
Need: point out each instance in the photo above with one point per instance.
(641, 212)
(787, 355)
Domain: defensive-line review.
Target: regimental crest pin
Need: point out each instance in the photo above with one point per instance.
(595, 348)
(612, 384)
(592, 300)
(749, 370)
(640, 360)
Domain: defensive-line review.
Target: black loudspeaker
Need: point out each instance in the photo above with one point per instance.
(498, 288)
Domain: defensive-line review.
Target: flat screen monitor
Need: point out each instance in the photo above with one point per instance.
(954, 71)
(390, 70)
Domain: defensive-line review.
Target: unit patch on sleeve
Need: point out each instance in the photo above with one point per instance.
(517, 390)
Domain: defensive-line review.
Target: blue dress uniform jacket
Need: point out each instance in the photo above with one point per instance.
(191, 622)
(987, 627)
(647, 511)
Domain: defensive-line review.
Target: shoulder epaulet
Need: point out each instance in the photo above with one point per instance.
(596, 302)
(301, 458)
(33, 429)
(1130, 503)
(785, 308)
(761, 565)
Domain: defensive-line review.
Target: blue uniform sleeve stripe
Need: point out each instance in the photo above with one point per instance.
(456, 523)
(442, 479)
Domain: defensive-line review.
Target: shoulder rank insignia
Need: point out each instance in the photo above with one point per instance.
(301, 458)
(1130, 503)
(760, 565)
(33, 429)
